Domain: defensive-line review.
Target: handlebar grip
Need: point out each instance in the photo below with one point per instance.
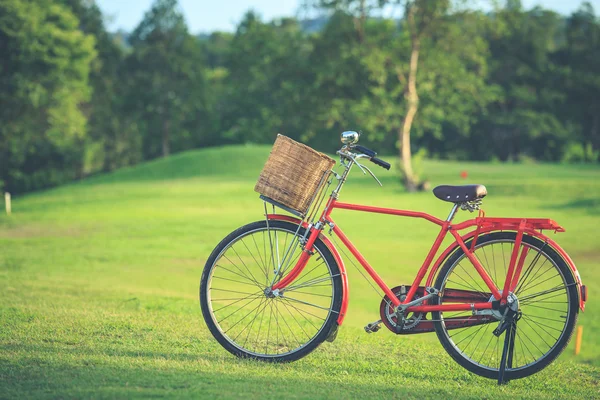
(380, 162)
(364, 150)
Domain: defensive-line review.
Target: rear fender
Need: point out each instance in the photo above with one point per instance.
(336, 255)
(531, 232)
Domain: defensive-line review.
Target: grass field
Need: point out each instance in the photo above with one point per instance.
(99, 283)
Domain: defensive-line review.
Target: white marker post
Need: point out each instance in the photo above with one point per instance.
(7, 203)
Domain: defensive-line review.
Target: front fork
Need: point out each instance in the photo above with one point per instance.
(307, 251)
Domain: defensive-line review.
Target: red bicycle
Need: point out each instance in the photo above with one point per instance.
(503, 298)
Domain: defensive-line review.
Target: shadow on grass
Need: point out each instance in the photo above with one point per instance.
(34, 379)
(44, 376)
(64, 348)
(40, 371)
(589, 206)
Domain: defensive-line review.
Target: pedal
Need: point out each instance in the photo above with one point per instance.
(373, 327)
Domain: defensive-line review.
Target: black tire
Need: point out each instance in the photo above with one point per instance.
(312, 320)
(548, 315)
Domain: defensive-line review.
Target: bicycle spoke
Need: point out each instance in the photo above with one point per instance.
(229, 291)
(310, 283)
(304, 316)
(547, 319)
(481, 290)
(261, 304)
(504, 259)
(312, 294)
(544, 298)
(540, 292)
(488, 263)
(528, 318)
(245, 266)
(293, 263)
(241, 272)
(255, 322)
(305, 275)
(251, 254)
(310, 304)
(540, 283)
(528, 270)
(223, 319)
(241, 276)
(263, 262)
(537, 333)
(302, 311)
(294, 318)
(544, 308)
(535, 275)
(486, 347)
(233, 280)
(554, 289)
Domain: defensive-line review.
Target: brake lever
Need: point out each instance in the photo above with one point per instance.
(370, 172)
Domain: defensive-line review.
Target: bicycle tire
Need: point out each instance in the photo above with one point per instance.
(538, 316)
(293, 309)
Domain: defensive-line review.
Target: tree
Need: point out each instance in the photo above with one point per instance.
(268, 80)
(524, 120)
(112, 139)
(43, 81)
(167, 89)
(427, 24)
(580, 60)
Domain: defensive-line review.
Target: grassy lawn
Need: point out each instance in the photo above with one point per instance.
(99, 283)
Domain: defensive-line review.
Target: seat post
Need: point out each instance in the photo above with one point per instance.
(452, 212)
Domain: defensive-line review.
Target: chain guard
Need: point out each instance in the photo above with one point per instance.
(412, 321)
(418, 322)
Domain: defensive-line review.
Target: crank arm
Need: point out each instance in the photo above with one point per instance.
(418, 301)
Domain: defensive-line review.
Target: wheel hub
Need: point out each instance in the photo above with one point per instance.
(272, 293)
(512, 302)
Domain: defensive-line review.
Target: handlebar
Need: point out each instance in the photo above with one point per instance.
(372, 156)
(380, 162)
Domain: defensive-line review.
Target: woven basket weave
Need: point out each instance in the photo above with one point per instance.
(293, 173)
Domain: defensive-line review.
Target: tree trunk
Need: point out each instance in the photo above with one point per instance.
(595, 140)
(412, 98)
(166, 136)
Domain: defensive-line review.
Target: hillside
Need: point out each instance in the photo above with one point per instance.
(100, 284)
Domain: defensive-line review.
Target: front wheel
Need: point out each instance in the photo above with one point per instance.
(241, 312)
(547, 299)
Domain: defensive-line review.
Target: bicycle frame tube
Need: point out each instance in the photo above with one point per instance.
(530, 226)
(445, 227)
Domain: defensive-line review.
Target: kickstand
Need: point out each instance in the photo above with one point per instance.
(507, 352)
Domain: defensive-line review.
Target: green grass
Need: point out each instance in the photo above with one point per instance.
(99, 283)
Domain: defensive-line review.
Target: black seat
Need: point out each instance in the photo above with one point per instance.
(460, 194)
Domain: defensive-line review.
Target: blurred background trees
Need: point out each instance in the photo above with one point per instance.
(440, 81)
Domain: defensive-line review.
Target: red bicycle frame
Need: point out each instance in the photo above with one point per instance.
(483, 224)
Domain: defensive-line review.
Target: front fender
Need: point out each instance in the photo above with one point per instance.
(336, 255)
(454, 246)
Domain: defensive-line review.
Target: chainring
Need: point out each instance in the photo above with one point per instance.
(389, 317)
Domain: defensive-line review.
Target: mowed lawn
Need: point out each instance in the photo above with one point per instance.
(99, 284)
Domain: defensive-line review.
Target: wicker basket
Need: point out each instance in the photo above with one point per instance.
(293, 174)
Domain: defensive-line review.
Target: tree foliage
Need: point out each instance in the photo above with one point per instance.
(43, 80)
(506, 85)
(166, 81)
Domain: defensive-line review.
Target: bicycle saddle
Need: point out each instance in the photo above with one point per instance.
(459, 194)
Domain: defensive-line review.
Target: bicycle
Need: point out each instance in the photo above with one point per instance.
(274, 290)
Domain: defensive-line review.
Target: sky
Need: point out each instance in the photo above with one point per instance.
(204, 16)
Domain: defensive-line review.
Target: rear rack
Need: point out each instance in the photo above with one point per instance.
(278, 204)
(513, 223)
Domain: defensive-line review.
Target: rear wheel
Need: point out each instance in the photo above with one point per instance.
(250, 321)
(547, 298)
